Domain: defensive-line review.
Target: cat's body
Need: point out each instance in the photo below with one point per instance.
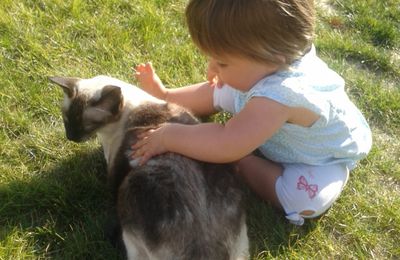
(172, 207)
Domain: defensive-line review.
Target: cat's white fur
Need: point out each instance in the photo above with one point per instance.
(111, 135)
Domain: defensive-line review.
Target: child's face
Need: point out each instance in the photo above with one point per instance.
(239, 72)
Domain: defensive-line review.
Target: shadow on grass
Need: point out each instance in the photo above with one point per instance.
(60, 213)
(270, 233)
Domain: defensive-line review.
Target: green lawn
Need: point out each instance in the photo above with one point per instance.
(53, 196)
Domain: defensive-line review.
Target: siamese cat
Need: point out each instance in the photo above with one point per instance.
(173, 207)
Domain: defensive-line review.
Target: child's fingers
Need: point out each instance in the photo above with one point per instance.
(140, 155)
(137, 153)
(142, 140)
(136, 73)
(138, 144)
(145, 134)
(215, 82)
(144, 159)
(149, 65)
(139, 68)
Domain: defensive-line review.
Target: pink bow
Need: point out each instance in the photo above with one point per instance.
(311, 189)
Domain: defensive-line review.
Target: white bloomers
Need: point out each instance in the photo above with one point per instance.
(307, 191)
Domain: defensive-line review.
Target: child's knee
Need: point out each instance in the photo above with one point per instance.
(308, 191)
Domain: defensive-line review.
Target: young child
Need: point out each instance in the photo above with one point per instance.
(285, 102)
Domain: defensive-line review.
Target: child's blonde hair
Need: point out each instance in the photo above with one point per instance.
(261, 30)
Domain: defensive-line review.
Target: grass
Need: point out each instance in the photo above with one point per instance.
(53, 193)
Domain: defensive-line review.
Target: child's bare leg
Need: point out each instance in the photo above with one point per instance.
(261, 175)
(149, 81)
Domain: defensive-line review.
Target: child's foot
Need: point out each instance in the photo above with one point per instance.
(149, 81)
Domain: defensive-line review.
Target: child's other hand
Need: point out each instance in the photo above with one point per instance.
(213, 79)
(215, 82)
(150, 144)
(149, 80)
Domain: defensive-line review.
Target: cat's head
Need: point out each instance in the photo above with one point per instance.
(88, 106)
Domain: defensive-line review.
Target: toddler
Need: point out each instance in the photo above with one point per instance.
(285, 102)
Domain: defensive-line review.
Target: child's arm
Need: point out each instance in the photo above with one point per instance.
(198, 98)
(213, 142)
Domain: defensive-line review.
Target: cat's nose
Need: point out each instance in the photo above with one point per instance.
(74, 137)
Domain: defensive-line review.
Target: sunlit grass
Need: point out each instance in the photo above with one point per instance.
(53, 195)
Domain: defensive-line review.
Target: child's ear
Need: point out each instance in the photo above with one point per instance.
(68, 84)
(111, 100)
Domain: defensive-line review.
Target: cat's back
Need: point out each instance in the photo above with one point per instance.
(182, 204)
(173, 206)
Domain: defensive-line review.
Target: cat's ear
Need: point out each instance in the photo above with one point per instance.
(107, 108)
(68, 84)
(111, 100)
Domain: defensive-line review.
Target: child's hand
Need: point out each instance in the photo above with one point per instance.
(149, 81)
(213, 79)
(150, 144)
(215, 82)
